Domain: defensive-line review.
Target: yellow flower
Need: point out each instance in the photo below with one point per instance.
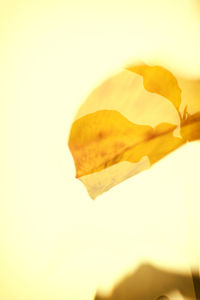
(130, 122)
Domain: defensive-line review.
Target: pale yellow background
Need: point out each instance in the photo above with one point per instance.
(55, 242)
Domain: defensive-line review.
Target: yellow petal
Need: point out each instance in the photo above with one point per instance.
(160, 81)
(104, 138)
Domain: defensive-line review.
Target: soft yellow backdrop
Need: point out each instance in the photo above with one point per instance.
(55, 242)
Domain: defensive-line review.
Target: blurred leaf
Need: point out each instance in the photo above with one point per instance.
(150, 283)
